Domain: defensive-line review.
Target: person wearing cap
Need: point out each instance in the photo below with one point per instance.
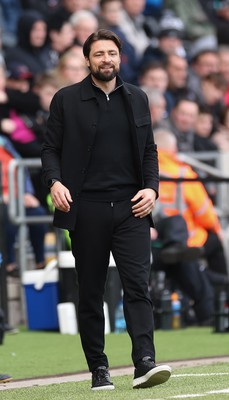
(169, 39)
(203, 60)
(171, 34)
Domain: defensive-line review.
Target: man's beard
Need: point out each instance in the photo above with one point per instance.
(103, 76)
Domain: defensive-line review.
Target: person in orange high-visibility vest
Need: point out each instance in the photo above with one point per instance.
(191, 200)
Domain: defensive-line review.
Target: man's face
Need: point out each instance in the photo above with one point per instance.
(134, 7)
(85, 28)
(111, 12)
(206, 64)
(38, 34)
(185, 115)
(45, 95)
(64, 38)
(155, 78)
(104, 60)
(204, 124)
(211, 93)
(170, 44)
(177, 70)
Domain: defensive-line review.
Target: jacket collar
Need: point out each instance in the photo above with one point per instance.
(87, 91)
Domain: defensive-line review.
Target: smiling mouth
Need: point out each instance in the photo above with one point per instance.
(106, 67)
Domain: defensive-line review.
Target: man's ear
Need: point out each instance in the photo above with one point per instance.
(87, 62)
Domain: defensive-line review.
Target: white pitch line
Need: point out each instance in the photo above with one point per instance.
(184, 396)
(210, 374)
(219, 391)
(192, 395)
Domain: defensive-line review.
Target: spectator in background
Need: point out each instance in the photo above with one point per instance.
(204, 59)
(138, 29)
(33, 208)
(177, 69)
(169, 39)
(71, 68)
(69, 7)
(221, 21)
(221, 136)
(203, 141)
(157, 105)
(204, 228)
(154, 76)
(60, 36)
(24, 126)
(182, 121)
(45, 86)
(31, 51)
(204, 129)
(109, 18)
(92, 5)
(171, 34)
(14, 124)
(212, 91)
(154, 7)
(45, 7)
(224, 68)
(195, 19)
(10, 12)
(218, 13)
(83, 22)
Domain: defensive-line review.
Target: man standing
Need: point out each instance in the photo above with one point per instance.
(100, 162)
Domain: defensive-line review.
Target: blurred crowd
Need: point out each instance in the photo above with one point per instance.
(177, 51)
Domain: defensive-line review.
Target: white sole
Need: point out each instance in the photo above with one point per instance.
(106, 387)
(155, 376)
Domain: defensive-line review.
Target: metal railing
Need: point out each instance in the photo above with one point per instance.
(16, 207)
(17, 212)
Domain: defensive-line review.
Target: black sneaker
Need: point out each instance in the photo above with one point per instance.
(5, 378)
(147, 374)
(101, 379)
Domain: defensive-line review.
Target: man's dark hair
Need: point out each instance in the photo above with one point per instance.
(151, 65)
(216, 79)
(104, 2)
(101, 34)
(190, 97)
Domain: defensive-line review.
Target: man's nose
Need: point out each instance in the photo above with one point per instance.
(106, 57)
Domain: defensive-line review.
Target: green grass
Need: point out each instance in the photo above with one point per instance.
(32, 354)
(176, 386)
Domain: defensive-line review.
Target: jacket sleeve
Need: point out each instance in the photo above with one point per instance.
(51, 149)
(150, 164)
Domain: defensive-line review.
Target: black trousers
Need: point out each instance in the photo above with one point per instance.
(102, 227)
(214, 253)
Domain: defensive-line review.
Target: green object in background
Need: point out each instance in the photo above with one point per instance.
(66, 233)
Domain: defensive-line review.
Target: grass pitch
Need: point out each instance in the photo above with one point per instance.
(205, 382)
(32, 354)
